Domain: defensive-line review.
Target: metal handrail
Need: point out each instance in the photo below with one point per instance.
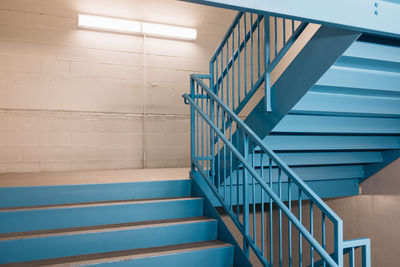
(303, 188)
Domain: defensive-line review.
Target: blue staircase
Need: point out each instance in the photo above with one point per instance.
(130, 224)
(290, 113)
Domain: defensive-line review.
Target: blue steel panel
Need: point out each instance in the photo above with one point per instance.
(354, 91)
(218, 257)
(374, 51)
(324, 189)
(71, 244)
(349, 105)
(377, 65)
(50, 195)
(302, 73)
(312, 173)
(359, 15)
(334, 142)
(337, 124)
(327, 158)
(341, 76)
(55, 218)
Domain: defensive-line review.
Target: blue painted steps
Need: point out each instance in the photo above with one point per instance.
(135, 224)
(347, 126)
(198, 254)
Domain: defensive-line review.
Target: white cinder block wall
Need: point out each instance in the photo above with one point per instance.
(73, 99)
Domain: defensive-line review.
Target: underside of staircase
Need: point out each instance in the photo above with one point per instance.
(347, 126)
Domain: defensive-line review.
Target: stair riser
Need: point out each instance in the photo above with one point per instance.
(361, 78)
(79, 244)
(322, 158)
(216, 257)
(32, 220)
(307, 173)
(324, 189)
(343, 104)
(337, 125)
(318, 142)
(51, 195)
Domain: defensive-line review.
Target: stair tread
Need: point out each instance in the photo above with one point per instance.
(96, 203)
(124, 254)
(101, 228)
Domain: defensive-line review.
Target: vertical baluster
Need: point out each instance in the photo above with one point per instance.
(233, 70)
(283, 31)
(237, 177)
(222, 75)
(267, 39)
(251, 50)
(262, 206)
(258, 45)
(292, 26)
(218, 167)
(230, 164)
(217, 76)
(245, 197)
(254, 195)
(227, 73)
(202, 130)
(245, 54)
(208, 107)
(198, 123)
(239, 88)
(289, 222)
(271, 236)
(323, 234)
(224, 159)
(300, 236)
(312, 233)
(212, 144)
(267, 80)
(192, 127)
(276, 36)
(351, 257)
(280, 215)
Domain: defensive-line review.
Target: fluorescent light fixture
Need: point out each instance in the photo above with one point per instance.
(108, 24)
(168, 31)
(130, 26)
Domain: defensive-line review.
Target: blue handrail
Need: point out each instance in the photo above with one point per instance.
(203, 127)
(224, 151)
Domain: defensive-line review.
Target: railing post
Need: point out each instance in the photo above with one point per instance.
(245, 197)
(338, 244)
(267, 59)
(192, 128)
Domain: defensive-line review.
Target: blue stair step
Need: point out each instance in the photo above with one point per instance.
(52, 195)
(361, 78)
(30, 246)
(347, 104)
(337, 125)
(373, 51)
(324, 158)
(331, 142)
(199, 254)
(307, 173)
(97, 213)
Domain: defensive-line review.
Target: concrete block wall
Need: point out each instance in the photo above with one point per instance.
(73, 99)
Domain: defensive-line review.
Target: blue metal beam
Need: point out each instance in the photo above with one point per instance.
(316, 57)
(376, 17)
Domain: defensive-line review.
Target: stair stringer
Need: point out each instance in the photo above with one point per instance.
(315, 58)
